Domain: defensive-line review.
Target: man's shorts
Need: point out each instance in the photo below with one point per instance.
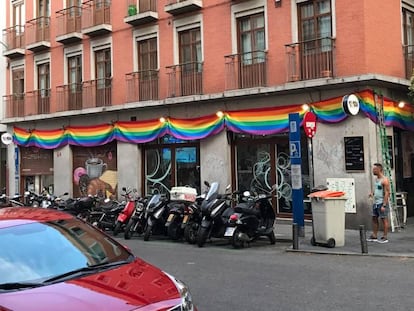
(376, 211)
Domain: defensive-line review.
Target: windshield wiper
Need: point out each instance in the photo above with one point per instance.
(18, 285)
(88, 270)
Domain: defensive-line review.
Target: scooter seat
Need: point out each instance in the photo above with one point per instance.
(247, 209)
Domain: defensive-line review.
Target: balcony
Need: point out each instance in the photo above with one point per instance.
(175, 7)
(246, 70)
(37, 102)
(69, 25)
(13, 38)
(38, 34)
(97, 93)
(69, 97)
(185, 79)
(143, 13)
(142, 85)
(14, 105)
(96, 17)
(408, 60)
(312, 59)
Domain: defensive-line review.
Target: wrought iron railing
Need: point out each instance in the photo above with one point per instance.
(95, 13)
(38, 30)
(311, 59)
(37, 102)
(142, 85)
(141, 7)
(246, 70)
(69, 20)
(409, 60)
(13, 37)
(97, 93)
(185, 79)
(69, 97)
(14, 105)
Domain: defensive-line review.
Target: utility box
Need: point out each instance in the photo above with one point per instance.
(328, 212)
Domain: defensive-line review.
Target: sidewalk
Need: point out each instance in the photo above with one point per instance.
(401, 243)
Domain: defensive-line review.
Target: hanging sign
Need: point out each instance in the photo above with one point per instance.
(350, 104)
(6, 138)
(309, 124)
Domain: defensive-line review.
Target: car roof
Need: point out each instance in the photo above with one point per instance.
(12, 216)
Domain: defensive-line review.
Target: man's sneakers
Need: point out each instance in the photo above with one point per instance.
(383, 240)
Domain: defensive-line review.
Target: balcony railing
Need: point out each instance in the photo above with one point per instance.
(13, 37)
(246, 70)
(144, 12)
(69, 25)
(176, 7)
(14, 105)
(310, 59)
(142, 85)
(37, 102)
(97, 93)
(96, 17)
(409, 60)
(69, 97)
(185, 79)
(38, 34)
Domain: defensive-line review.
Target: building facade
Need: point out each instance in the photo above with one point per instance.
(154, 94)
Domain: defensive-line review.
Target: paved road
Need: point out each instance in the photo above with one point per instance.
(265, 277)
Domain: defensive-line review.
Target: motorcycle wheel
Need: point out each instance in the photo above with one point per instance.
(147, 233)
(272, 238)
(202, 235)
(235, 240)
(129, 229)
(173, 230)
(117, 228)
(190, 233)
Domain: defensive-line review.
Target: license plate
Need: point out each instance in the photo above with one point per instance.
(229, 231)
(170, 217)
(185, 219)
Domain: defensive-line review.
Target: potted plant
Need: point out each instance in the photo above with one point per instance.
(132, 10)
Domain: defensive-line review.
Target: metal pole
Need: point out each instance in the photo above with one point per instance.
(295, 235)
(363, 239)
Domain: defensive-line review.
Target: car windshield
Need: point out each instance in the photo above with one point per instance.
(34, 252)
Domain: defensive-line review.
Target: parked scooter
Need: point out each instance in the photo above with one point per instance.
(252, 219)
(128, 210)
(106, 215)
(80, 207)
(181, 198)
(156, 214)
(137, 222)
(216, 211)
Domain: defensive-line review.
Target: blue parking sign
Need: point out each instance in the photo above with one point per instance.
(295, 149)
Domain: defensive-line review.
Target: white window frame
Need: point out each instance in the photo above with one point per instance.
(70, 52)
(97, 45)
(186, 23)
(40, 60)
(245, 9)
(144, 34)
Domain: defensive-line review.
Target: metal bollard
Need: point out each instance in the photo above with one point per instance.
(363, 239)
(295, 235)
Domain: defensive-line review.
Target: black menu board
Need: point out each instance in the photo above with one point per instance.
(354, 153)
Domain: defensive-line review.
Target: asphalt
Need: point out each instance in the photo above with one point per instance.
(401, 241)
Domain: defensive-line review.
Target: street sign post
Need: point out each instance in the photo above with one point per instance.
(296, 172)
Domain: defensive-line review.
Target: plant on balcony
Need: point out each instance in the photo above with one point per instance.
(132, 10)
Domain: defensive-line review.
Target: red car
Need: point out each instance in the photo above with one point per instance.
(50, 260)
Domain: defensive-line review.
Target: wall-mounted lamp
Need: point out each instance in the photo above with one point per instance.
(163, 120)
(220, 114)
(305, 107)
(278, 3)
(401, 104)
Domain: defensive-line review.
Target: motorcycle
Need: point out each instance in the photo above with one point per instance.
(137, 222)
(156, 213)
(80, 207)
(253, 218)
(192, 220)
(181, 198)
(107, 214)
(215, 211)
(127, 211)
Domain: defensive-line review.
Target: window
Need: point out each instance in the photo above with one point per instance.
(251, 38)
(75, 82)
(315, 20)
(18, 14)
(43, 79)
(148, 69)
(103, 77)
(190, 46)
(18, 82)
(43, 9)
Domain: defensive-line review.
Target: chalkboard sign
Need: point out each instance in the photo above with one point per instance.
(354, 153)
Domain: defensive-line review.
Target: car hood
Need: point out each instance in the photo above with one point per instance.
(137, 285)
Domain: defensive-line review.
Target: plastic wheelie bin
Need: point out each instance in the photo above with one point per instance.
(328, 212)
